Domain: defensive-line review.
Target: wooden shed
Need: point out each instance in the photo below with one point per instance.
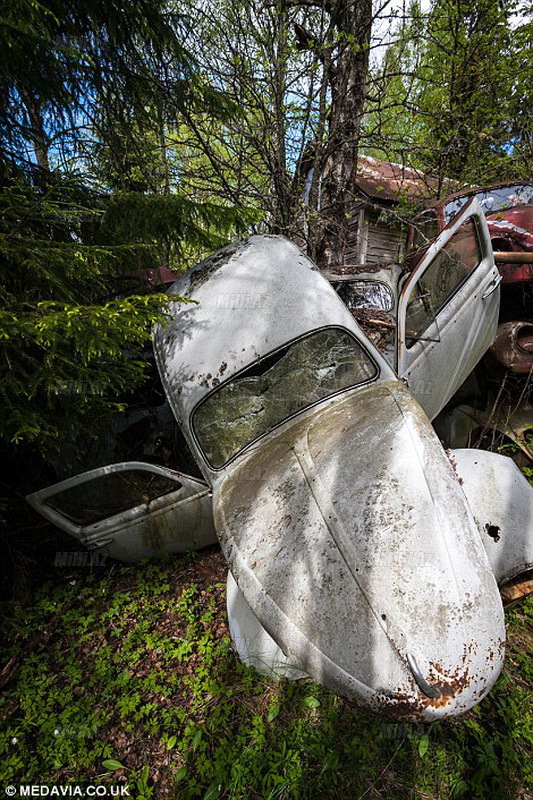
(377, 235)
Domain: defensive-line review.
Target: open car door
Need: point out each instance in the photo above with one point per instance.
(131, 510)
(448, 311)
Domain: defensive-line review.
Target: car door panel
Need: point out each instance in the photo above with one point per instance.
(448, 311)
(131, 510)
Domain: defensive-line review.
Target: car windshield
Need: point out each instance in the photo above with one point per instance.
(492, 200)
(275, 388)
(372, 295)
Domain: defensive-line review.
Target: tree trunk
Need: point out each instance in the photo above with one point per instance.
(347, 75)
(282, 220)
(39, 141)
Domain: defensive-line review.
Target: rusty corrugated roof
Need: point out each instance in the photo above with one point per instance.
(386, 181)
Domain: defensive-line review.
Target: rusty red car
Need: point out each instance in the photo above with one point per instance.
(508, 209)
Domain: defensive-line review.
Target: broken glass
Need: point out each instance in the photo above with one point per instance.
(277, 387)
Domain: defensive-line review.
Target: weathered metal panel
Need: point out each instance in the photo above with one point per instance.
(501, 500)
(253, 644)
(440, 359)
(253, 298)
(159, 523)
(387, 182)
(513, 346)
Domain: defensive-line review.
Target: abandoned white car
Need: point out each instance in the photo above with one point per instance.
(360, 552)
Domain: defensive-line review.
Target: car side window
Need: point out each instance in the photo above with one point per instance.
(107, 495)
(441, 279)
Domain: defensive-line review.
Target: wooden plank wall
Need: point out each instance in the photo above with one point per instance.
(383, 245)
(372, 242)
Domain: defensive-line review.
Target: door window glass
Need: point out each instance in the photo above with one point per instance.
(277, 387)
(446, 273)
(110, 494)
(425, 228)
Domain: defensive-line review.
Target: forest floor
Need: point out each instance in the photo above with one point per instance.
(125, 676)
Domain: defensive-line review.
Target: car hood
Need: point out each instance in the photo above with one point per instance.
(351, 539)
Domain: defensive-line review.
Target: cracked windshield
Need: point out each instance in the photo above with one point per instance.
(277, 387)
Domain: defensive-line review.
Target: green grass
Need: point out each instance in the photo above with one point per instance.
(136, 681)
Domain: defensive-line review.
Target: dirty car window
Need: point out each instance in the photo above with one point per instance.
(372, 295)
(439, 282)
(106, 495)
(277, 387)
(425, 227)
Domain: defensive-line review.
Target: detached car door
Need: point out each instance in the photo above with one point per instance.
(131, 510)
(448, 311)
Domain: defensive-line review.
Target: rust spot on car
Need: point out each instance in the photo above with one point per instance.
(513, 346)
(205, 380)
(402, 705)
(453, 462)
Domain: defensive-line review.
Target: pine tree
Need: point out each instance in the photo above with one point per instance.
(72, 73)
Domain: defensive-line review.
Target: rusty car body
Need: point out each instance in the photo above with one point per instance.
(508, 209)
(358, 554)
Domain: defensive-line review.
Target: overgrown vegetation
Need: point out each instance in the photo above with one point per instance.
(144, 135)
(135, 681)
(87, 211)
